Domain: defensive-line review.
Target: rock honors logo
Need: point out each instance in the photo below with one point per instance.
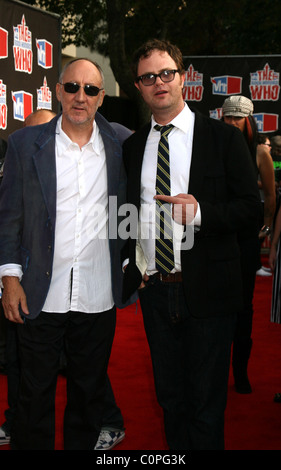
(264, 85)
(3, 105)
(193, 85)
(44, 96)
(23, 56)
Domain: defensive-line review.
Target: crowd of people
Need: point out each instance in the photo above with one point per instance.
(213, 189)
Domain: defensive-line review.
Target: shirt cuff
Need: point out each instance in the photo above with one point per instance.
(13, 270)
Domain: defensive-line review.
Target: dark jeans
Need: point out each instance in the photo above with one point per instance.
(88, 340)
(249, 250)
(190, 358)
(112, 416)
(2, 339)
(13, 373)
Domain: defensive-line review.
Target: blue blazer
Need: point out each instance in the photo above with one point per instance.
(28, 206)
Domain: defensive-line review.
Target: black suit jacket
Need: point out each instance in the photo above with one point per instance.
(223, 180)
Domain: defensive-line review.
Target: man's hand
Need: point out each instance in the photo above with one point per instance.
(13, 296)
(184, 207)
(145, 279)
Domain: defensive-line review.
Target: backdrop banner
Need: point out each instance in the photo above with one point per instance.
(30, 50)
(211, 79)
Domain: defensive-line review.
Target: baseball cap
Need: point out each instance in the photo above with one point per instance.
(238, 106)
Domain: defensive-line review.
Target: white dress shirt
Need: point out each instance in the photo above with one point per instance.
(81, 278)
(180, 150)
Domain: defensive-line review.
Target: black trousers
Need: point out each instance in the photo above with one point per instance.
(190, 358)
(88, 340)
(242, 343)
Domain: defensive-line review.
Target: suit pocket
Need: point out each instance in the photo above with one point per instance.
(131, 281)
(224, 270)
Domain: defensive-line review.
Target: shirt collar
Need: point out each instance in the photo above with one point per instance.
(64, 141)
(182, 121)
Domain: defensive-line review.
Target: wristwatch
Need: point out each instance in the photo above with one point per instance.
(265, 229)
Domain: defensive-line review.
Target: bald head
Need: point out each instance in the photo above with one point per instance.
(39, 117)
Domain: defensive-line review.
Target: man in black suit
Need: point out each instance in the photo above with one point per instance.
(189, 308)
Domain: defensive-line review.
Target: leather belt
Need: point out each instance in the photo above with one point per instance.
(171, 277)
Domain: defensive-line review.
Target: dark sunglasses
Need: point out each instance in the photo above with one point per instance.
(90, 90)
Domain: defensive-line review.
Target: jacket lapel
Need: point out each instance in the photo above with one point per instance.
(45, 163)
(136, 163)
(199, 155)
(113, 152)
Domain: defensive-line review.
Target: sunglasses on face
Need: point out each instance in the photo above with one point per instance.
(72, 88)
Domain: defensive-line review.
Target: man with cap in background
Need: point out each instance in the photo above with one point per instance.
(238, 111)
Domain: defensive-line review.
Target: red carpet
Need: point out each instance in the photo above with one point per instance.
(253, 422)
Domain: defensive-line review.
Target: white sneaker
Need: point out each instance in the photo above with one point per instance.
(264, 272)
(4, 437)
(109, 439)
(266, 269)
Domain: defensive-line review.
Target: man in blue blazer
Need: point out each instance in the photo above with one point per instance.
(59, 267)
(189, 307)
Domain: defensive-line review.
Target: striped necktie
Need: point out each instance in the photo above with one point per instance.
(164, 256)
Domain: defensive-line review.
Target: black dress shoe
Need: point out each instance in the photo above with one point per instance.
(277, 398)
(243, 386)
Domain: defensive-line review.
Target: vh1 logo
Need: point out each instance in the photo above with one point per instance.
(3, 43)
(44, 53)
(266, 122)
(226, 85)
(23, 104)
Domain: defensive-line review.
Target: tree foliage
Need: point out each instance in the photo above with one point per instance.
(200, 27)
(116, 28)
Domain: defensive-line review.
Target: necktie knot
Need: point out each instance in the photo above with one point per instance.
(165, 130)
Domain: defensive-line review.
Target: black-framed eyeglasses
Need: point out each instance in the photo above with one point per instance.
(72, 87)
(150, 78)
